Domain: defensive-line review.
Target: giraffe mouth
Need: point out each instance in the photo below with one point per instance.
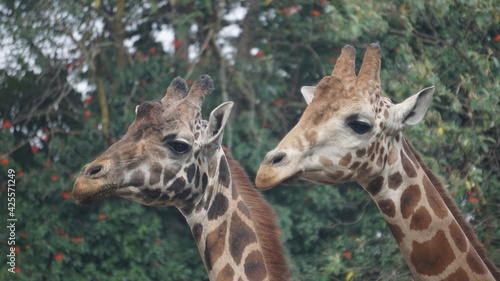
(292, 179)
(85, 198)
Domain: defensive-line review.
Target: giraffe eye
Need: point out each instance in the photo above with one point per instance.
(179, 147)
(359, 127)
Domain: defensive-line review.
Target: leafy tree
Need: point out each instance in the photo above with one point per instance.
(50, 129)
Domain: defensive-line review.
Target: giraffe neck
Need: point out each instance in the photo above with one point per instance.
(235, 242)
(434, 238)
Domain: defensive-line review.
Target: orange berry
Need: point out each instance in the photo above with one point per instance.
(88, 100)
(87, 114)
(279, 101)
(35, 149)
(4, 161)
(77, 239)
(315, 13)
(54, 178)
(347, 254)
(177, 43)
(102, 216)
(6, 124)
(58, 257)
(473, 200)
(66, 195)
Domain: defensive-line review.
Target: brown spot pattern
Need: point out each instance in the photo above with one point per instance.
(255, 268)
(435, 200)
(345, 160)
(227, 273)
(311, 136)
(432, 257)
(458, 275)
(155, 173)
(178, 185)
(336, 175)
(370, 149)
(409, 151)
(240, 236)
(396, 232)
(395, 180)
(219, 206)
(167, 175)
(380, 159)
(209, 198)
(387, 207)
(458, 237)
(360, 153)
(137, 179)
(475, 263)
(421, 219)
(375, 185)
(354, 166)
(408, 166)
(393, 156)
(214, 245)
(364, 170)
(325, 161)
(409, 200)
(190, 171)
(224, 174)
(197, 231)
(244, 209)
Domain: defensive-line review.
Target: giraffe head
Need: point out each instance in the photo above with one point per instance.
(166, 154)
(344, 133)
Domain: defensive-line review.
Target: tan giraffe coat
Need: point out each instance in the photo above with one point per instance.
(171, 157)
(350, 132)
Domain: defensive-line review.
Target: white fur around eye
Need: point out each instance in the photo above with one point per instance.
(136, 107)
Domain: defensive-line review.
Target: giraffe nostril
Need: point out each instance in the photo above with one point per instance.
(277, 159)
(94, 170)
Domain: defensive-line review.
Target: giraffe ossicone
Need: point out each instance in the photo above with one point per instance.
(170, 156)
(350, 132)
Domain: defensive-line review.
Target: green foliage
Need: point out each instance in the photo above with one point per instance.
(49, 130)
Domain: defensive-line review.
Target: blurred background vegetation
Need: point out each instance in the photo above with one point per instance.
(72, 72)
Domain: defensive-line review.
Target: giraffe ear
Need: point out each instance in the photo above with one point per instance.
(414, 108)
(217, 122)
(308, 93)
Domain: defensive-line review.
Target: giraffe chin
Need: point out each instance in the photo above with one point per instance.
(85, 199)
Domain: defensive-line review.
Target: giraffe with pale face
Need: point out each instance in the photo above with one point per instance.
(170, 156)
(350, 132)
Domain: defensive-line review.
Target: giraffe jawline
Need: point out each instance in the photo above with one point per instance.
(292, 179)
(104, 192)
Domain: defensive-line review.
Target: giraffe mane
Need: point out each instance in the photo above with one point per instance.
(459, 217)
(264, 218)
